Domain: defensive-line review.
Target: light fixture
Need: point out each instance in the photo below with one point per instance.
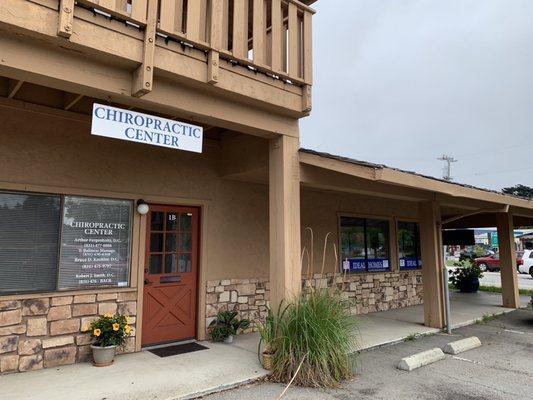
(142, 207)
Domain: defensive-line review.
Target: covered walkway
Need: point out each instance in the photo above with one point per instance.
(386, 327)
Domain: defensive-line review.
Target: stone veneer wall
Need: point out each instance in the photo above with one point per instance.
(51, 331)
(369, 292)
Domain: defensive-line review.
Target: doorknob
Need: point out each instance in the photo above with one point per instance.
(147, 281)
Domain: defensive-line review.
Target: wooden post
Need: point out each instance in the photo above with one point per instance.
(294, 55)
(66, 18)
(240, 28)
(276, 38)
(215, 41)
(432, 264)
(308, 48)
(259, 32)
(508, 273)
(143, 76)
(284, 197)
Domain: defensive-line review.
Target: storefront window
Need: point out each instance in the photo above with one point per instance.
(29, 233)
(50, 242)
(409, 245)
(365, 244)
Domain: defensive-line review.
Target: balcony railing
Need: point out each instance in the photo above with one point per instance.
(268, 36)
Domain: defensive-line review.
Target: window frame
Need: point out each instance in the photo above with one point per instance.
(131, 285)
(408, 220)
(390, 247)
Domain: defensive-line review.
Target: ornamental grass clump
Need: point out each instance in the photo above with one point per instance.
(315, 340)
(110, 330)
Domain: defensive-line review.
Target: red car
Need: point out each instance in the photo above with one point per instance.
(492, 262)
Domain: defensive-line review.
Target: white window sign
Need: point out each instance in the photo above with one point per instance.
(143, 128)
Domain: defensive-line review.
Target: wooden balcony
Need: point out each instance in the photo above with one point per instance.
(254, 53)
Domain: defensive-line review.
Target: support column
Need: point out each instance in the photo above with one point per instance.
(508, 273)
(432, 264)
(284, 187)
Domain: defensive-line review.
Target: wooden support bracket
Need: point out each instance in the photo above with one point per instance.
(70, 100)
(13, 87)
(307, 97)
(143, 77)
(213, 62)
(66, 18)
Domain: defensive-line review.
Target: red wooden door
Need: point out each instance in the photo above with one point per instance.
(170, 274)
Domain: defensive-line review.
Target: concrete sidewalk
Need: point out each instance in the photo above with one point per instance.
(385, 327)
(144, 376)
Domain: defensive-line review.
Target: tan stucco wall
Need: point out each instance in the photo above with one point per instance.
(54, 152)
(320, 211)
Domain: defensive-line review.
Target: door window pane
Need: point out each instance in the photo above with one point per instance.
(185, 262)
(186, 242)
(156, 263)
(171, 242)
(156, 243)
(157, 221)
(186, 221)
(29, 235)
(171, 263)
(172, 221)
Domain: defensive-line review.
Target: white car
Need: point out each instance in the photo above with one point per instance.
(527, 263)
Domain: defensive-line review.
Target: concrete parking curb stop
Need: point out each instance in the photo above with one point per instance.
(462, 345)
(420, 359)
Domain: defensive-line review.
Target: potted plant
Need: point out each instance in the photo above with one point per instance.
(108, 332)
(268, 331)
(225, 326)
(466, 276)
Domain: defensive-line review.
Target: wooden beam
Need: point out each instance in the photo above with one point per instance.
(143, 77)
(70, 100)
(13, 87)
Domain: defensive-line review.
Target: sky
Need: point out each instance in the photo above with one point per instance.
(402, 82)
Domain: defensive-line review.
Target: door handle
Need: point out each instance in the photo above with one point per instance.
(147, 281)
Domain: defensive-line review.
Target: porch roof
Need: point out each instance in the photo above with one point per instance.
(462, 205)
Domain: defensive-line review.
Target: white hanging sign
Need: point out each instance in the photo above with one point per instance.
(143, 128)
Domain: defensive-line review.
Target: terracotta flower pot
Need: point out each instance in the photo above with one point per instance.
(103, 356)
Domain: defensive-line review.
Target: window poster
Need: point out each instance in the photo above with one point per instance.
(95, 243)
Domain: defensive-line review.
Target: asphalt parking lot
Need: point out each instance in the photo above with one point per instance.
(501, 369)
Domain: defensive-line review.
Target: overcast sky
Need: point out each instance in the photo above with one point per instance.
(401, 82)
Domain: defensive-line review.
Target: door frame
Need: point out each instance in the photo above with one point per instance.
(203, 207)
(195, 236)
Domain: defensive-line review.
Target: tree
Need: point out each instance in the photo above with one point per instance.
(520, 191)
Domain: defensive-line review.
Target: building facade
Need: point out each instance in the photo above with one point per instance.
(193, 196)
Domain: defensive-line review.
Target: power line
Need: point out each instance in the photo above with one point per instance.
(447, 175)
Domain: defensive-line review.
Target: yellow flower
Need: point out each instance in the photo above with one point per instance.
(108, 315)
(97, 332)
(127, 329)
(116, 327)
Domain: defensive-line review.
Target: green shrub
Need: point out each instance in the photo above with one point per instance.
(464, 272)
(226, 324)
(109, 330)
(314, 339)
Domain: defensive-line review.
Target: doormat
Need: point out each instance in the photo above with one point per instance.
(178, 349)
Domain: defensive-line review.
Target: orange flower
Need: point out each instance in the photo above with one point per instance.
(116, 327)
(127, 329)
(97, 332)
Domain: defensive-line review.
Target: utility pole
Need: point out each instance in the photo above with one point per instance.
(447, 175)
